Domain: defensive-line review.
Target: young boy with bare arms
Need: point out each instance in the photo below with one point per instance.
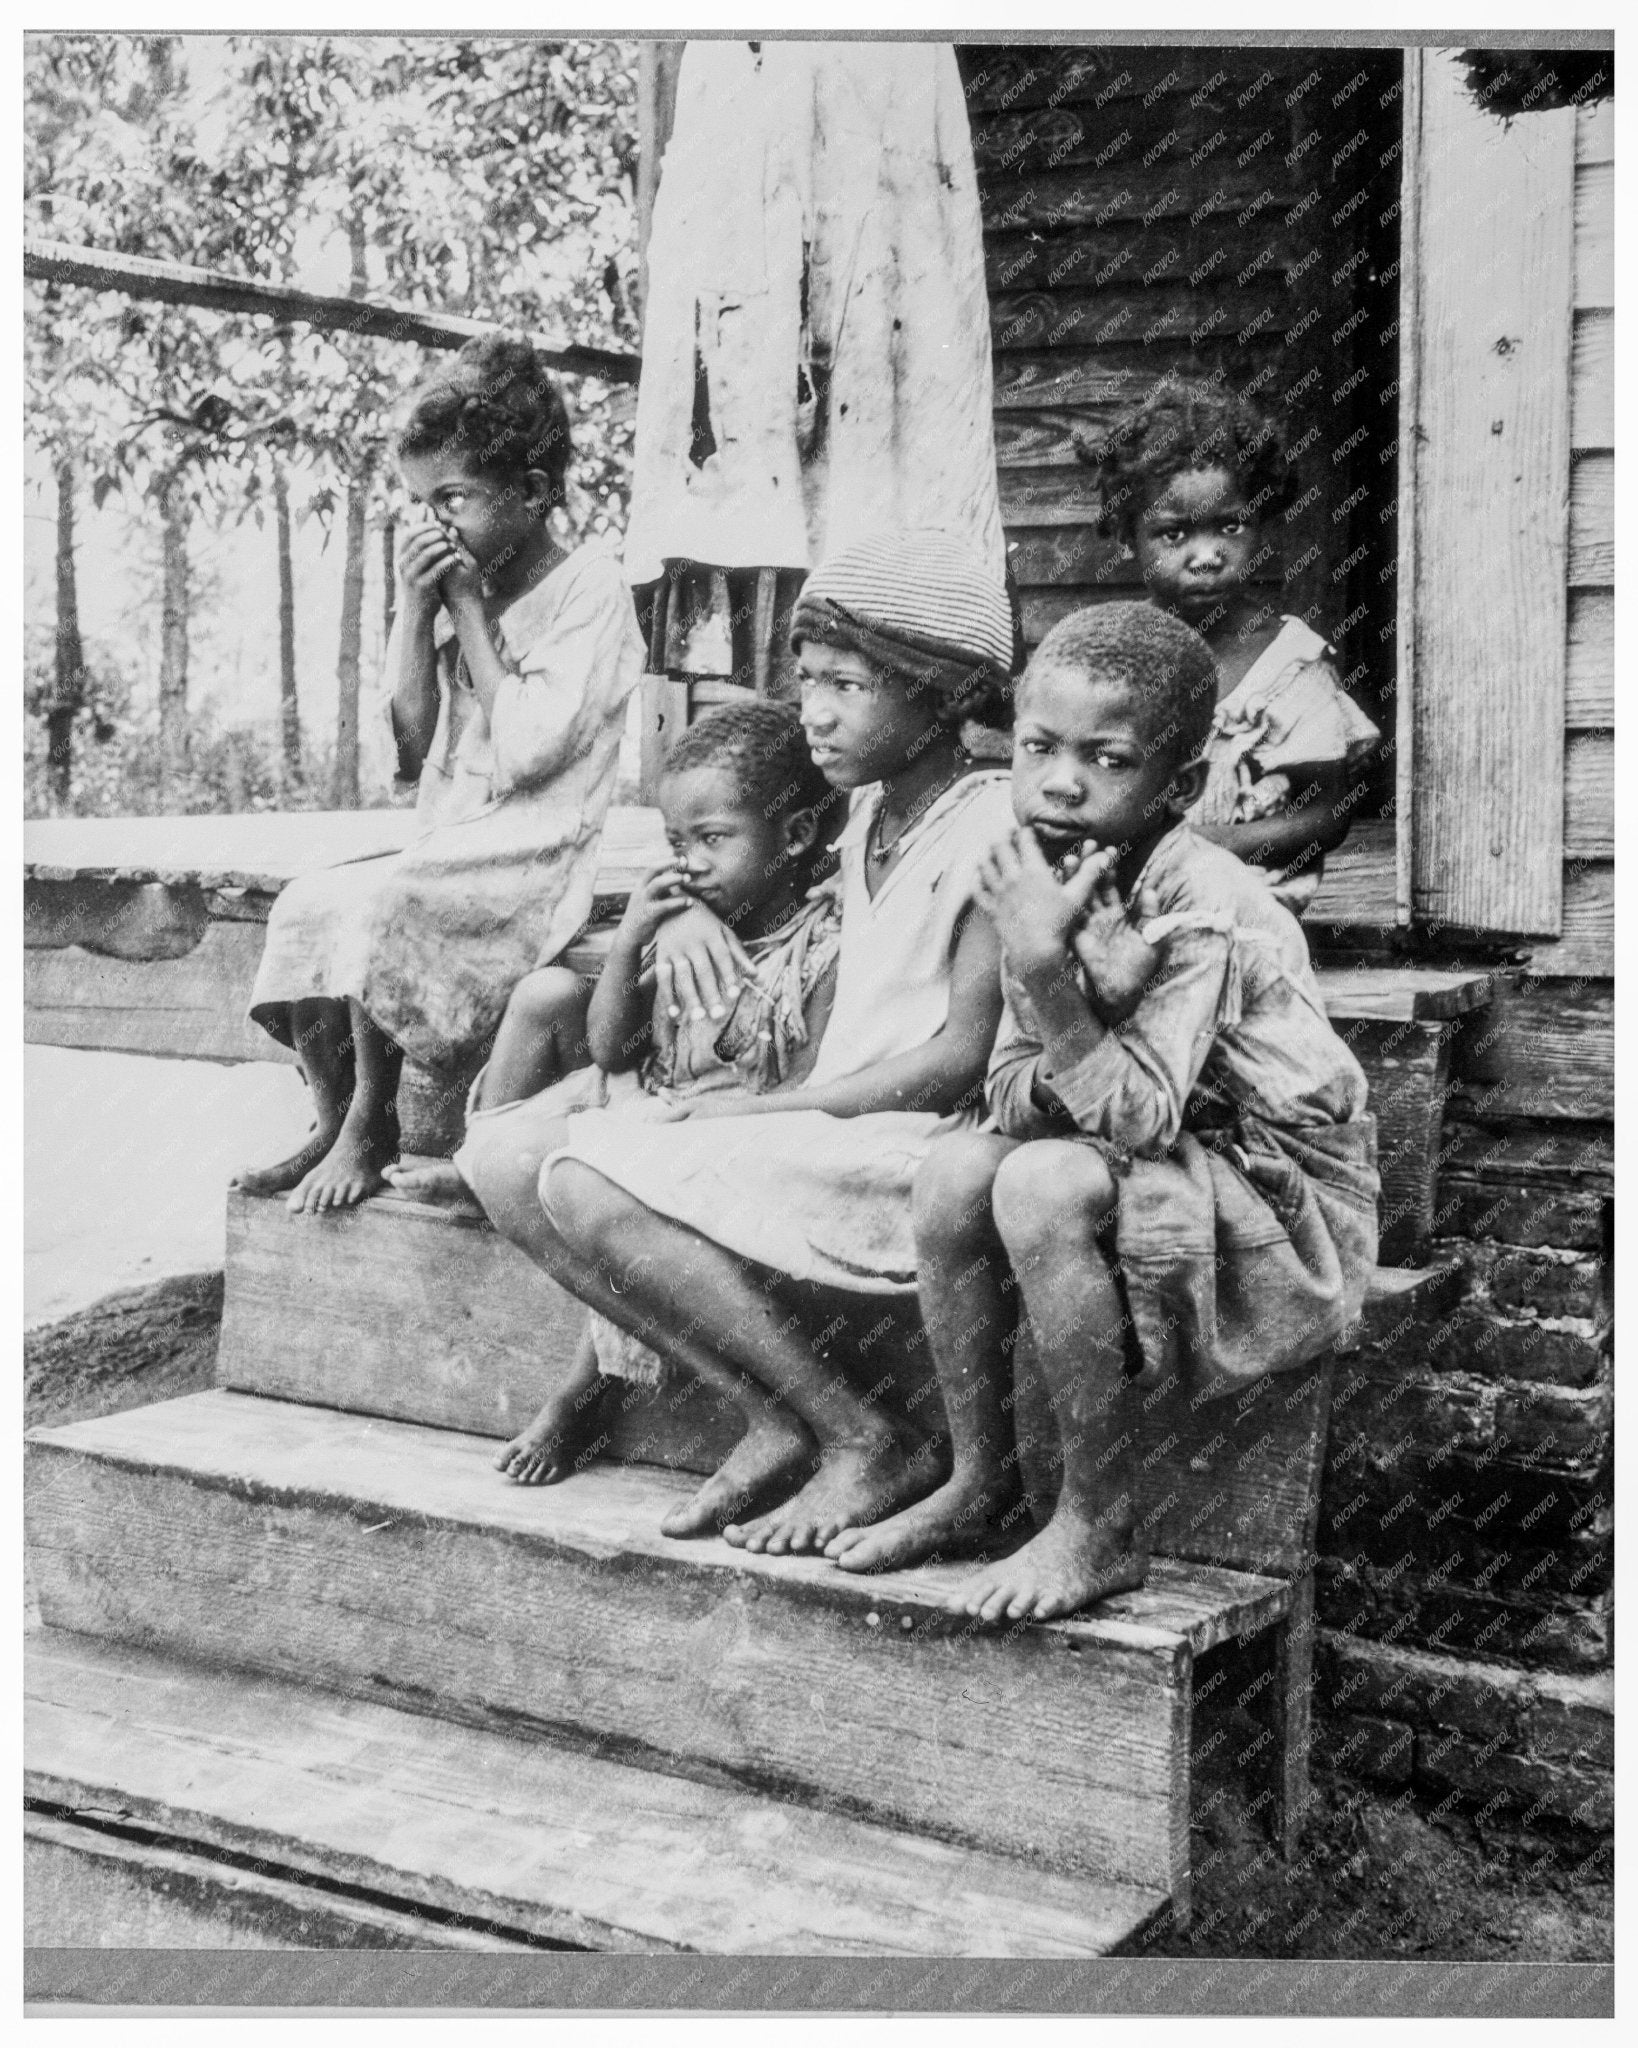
(1180, 1179)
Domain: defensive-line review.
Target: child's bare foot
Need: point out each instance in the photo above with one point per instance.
(553, 1446)
(774, 1451)
(349, 1172)
(1075, 1560)
(291, 1172)
(855, 1484)
(432, 1180)
(965, 1518)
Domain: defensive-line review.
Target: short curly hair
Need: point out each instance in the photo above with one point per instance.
(1186, 426)
(500, 406)
(763, 747)
(1165, 665)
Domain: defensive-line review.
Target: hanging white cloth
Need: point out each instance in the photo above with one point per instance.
(816, 347)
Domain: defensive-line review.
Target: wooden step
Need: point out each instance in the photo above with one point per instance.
(390, 1562)
(405, 1310)
(286, 1816)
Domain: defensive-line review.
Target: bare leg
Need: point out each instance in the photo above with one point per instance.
(970, 1311)
(1050, 1199)
(775, 1447)
(542, 1037)
(322, 1032)
(554, 1444)
(368, 1137)
(727, 1309)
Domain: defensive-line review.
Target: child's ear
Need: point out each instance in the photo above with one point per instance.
(1186, 787)
(537, 491)
(800, 830)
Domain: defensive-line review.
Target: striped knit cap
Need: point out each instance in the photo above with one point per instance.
(915, 591)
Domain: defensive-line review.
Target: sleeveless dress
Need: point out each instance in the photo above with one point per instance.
(815, 1196)
(431, 940)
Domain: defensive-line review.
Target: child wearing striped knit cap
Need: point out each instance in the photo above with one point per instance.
(705, 1223)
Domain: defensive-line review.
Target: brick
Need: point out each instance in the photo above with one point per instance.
(1364, 1600)
(1542, 1281)
(1492, 1777)
(1563, 1217)
(1560, 1427)
(1364, 1746)
(1567, 1352)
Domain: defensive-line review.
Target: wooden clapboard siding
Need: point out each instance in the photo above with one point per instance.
(1158, 210)
(1592, 381)
(1586, 946)
(1589, 795)
(1488, 623)
(1589, 681)
(1595, 235)
(1592, 521)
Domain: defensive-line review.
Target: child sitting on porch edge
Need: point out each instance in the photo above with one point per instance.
(1180, 1153)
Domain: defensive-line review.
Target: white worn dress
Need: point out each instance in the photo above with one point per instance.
(432, 940)
(821, 1197)
(816, 334)
(1288, 710)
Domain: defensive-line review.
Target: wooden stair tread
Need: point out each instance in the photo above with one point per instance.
(548, 1842)
(376, 1468)
(391, 1562)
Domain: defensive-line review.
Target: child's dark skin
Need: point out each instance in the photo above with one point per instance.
(751, 872)
(997, 1217)
(478, 530)
(1198, 543)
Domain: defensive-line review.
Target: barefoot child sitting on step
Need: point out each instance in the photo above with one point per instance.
(716, 1236)
(750, 820)
(511, 662)
(1190, 482)
(1181, 1175)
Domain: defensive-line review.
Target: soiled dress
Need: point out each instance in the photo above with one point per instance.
(821, 1197)
(751, 1051)
(432, 940)
(1289, 710)
(1235, 1122)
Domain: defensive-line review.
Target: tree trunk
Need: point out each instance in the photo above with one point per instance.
(389, 574)
(68, 681)
(173, 637)
(344, 790)
(289, 708)
(344, 787)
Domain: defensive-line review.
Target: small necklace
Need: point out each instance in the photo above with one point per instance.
(884, 849)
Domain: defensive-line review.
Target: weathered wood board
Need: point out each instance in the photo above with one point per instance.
(83, 1888)
(385, 1560)
(1490, 267)
(540, 1843)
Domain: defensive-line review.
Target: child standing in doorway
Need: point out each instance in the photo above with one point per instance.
(1181, 1172)
(1189, 481)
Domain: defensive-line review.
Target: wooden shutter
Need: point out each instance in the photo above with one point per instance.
(1485, 469)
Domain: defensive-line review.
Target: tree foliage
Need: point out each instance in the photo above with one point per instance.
(493, 179)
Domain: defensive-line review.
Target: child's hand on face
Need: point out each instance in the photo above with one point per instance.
(433, 568)
(1118, 959)
(1034, 912)
(658, 896)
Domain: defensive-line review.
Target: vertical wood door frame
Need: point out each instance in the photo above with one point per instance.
(1486, 328)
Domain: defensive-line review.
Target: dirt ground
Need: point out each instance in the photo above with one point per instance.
(1377, 1876)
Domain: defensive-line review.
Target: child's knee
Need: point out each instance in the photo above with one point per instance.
(547, 995)
(579, 1203)
(950, 1197)
(1048, 1191)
